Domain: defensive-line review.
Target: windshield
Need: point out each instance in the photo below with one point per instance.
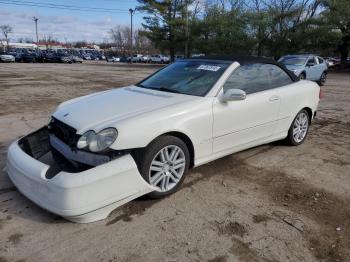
(293, 60)
(186, 77)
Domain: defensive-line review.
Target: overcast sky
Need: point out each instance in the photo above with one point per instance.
(67, 25)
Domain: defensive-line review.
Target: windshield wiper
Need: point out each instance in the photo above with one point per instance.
(167, 90)
(161, 88)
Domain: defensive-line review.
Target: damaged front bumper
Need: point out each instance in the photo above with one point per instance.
(84, 196)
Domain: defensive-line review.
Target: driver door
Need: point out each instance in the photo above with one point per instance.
(241, 123)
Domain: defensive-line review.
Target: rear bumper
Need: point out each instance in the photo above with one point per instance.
(85, 196)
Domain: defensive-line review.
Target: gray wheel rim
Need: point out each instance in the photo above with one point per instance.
(300, 127)
(167, 168)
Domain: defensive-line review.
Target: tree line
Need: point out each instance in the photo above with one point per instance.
(256, 27)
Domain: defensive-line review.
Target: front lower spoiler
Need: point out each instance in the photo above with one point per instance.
(81, 197)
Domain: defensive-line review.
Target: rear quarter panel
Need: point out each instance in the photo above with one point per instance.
(295, 97)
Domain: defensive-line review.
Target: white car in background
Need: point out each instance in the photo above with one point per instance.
(7, 58)
(146, 58)
(159, 59)
(310, 67)
(135, 58)
(102, 150)
(113, 59)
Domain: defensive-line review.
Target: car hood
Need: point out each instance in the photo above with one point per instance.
(294, 67)
(104, 109)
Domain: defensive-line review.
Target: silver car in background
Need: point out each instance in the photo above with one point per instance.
(310, 67)
(7, 58)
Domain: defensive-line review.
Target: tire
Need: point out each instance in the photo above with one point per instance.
(157, 167)
(302, 76)
(323, 79)
(299, 128)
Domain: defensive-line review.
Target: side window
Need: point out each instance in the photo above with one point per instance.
(312, 60)
(320, 60)
(250, 78)
(253, 78)
(278, 77)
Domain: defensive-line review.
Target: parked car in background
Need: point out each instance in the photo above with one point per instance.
(65, 58)
(159, 59)
(113, 59)
(332, 62)
(310, 67)
(5, 57)
(26, 56)
(110, 58)
(146, 59)
(76, 59)
(135, 58)
(102, 150)
(123, 59)
(50, 57)
(86, 57)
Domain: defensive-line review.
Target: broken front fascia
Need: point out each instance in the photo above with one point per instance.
(76, 192)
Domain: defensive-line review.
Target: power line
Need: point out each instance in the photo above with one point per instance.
(69, 6)
(63, 7)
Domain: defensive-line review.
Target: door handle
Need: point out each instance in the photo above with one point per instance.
(274, 98)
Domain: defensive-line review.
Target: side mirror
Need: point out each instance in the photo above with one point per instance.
(233, 95)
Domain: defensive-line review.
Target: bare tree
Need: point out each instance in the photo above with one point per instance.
(120, 35)
(6, 30)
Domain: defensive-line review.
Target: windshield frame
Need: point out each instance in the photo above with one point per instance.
(228, 62)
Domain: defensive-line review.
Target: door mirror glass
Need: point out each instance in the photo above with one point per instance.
(233, 95)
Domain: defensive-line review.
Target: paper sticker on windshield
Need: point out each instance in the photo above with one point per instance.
(209, 68)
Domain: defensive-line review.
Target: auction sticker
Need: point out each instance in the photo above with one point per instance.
(209, 68)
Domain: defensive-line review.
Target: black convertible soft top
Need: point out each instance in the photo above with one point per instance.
(243, 60)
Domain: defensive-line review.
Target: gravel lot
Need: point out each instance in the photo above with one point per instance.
(269, 203)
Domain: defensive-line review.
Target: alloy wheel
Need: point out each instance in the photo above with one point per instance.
(300, 127)
(167, 168)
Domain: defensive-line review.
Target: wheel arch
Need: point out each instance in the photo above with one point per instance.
(186, 140)
(309, 112)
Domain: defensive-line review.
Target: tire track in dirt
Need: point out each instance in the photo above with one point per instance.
(324, 208)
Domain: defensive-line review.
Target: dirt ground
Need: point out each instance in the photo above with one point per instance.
(269, 203)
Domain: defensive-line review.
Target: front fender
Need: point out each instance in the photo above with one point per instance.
(194, 120)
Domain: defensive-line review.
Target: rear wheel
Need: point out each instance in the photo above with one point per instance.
(299, 128)
(164, 164)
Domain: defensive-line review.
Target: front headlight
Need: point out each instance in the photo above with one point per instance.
(296, 72)
(97, 142)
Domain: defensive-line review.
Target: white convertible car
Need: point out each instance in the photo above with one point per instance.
(102, 150)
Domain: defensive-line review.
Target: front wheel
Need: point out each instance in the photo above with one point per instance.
(323, 79)
(299, 128)
(164, 164)
(302, 76)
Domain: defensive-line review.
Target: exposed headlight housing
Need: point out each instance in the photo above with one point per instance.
(97, 142)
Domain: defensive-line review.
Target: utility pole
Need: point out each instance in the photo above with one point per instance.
(131, 44)
(187, 31)
(35, 19)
